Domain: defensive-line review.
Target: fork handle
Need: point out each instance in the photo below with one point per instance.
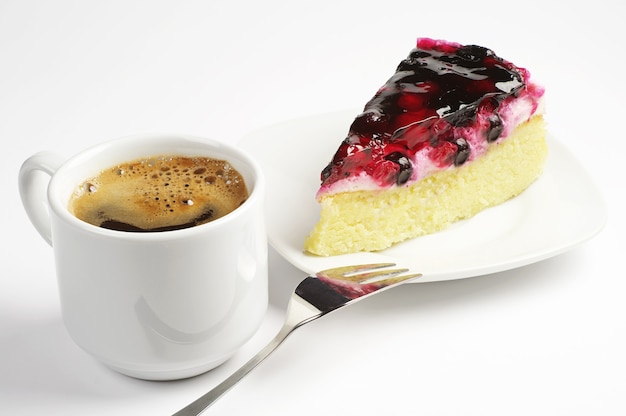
(202, 403)
(299, 312)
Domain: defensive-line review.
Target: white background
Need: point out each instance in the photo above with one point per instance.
(546, 339)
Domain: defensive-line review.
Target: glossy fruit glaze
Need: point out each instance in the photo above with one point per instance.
(443, 107)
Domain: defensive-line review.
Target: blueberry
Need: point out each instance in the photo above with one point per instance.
(463, 151)
(406, 169)
(495, 128)
(405, 65)
(473, 53)
(413, 60)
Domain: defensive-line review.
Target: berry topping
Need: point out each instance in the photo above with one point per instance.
(371, 121)
(495, 128)
(462, 151)
(444, 102)
(405, 169)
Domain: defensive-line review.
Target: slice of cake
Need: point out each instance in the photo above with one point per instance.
(455, 130)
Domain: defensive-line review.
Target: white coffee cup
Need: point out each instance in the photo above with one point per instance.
(157, 305)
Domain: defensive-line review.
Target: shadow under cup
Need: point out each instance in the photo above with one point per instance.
(160, 305)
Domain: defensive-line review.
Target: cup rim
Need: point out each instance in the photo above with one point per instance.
(59, 204)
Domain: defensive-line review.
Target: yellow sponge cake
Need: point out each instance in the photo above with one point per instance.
(455, 130)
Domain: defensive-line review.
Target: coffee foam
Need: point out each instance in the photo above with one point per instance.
(160, 193)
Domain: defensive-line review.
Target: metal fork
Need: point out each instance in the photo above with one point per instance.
(313, 298)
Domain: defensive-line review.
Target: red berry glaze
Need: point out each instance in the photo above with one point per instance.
(445, 101)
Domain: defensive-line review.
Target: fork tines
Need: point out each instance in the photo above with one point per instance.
(368, 273)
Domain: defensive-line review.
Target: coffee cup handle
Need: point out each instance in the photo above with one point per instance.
(33, 189)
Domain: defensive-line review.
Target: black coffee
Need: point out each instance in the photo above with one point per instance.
(161, 193)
